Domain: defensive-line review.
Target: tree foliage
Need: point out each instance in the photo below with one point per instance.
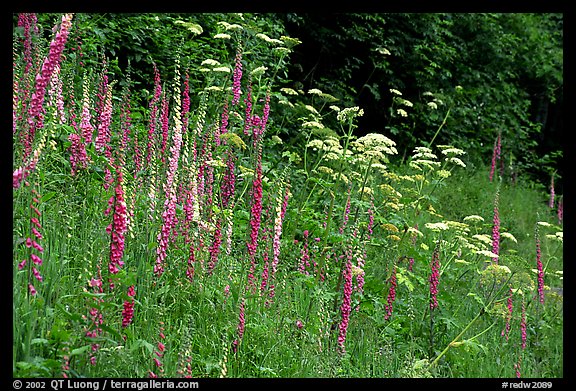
(508, 65)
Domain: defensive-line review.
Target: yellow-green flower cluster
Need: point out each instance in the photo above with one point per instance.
(330, 145)
(494, 274)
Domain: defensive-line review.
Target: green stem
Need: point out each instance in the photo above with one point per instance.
(480, 313)
(440, 127)
(362, 190)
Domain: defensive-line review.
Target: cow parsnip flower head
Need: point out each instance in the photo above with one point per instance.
(374, 145)
(259, 71)
(325, 170)
(288, 91)
(379, 167)
(313, 124)
(424, 155)
(482, 238)
(383, 51)
(266, 38)
(449, 150)
(222, 36)
(473, 219)
(405, 102)
(230, 26)
(210, 62)
(289, 41)
(421, 163)
(487, 253)
(311, 109)
(349, 113)
(508, 235)
(222, 69)
(456, 161)
(437, 227)
(458, 226)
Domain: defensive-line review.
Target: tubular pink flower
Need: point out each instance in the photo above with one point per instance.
(256, 215)
(103, 130)
(280, 213)
(265, 272)
(248, 110)
(78, 156)
(102, 90)
(552, 193)
(346, 213)
(26, 21)
(305, 255)
(434, 278)
(159, 353)
(164, 110)
(361, 259)
(21, 173)
(56, 95)
(496, 228)
(523, 325)
(96, 318)
(229, 181)
(119, 226)
(391, 295)
(265, 113)
(153, 114)
(128, 311)
(37, 274)
(15, 94)
(43, 78)
(241, 324)
(560, 209)
(185, 103)
(169, 214)
(495, 155)
(214, 250)
(236, 83)
(540, 268)
(85, 125)
(36, 259)
(345, 308)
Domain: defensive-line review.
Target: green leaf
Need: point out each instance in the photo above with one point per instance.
(142, 343)
(402, 279)
(81, 350)
(110, 330)
(69, 315)
(48, 196)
